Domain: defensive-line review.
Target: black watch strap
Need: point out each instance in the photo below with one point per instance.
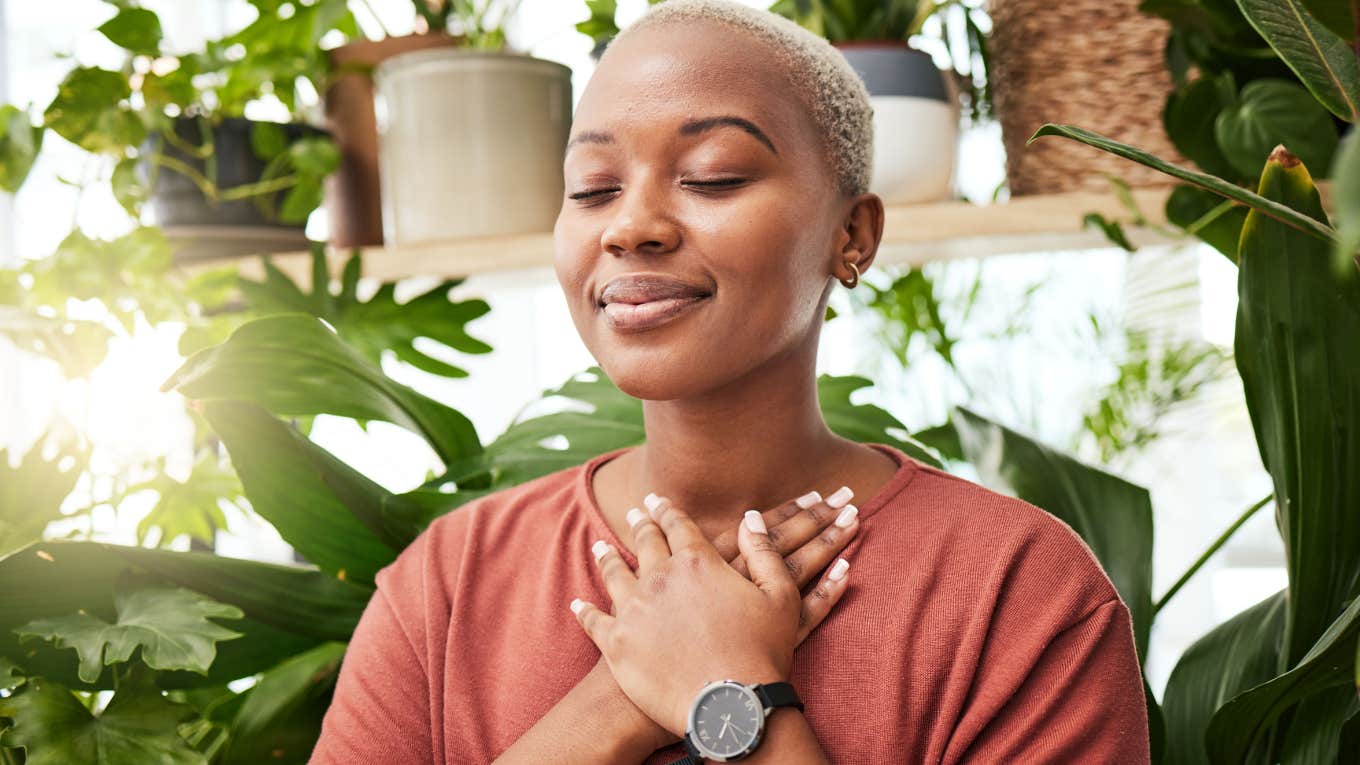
(779, 694)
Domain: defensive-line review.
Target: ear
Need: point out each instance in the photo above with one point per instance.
(860, 234)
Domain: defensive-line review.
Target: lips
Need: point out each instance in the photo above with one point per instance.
(638, 302)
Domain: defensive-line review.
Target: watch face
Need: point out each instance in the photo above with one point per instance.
(726, 721)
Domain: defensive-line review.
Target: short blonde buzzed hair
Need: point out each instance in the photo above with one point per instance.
(830, 88)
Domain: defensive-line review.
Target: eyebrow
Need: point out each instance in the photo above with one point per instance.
(690, 127)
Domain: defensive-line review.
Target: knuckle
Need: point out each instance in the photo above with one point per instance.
(763, 544)
(689, 558)
(776, 536)
(831, 537)
(656, 582)
(795, 568)
(820, 513)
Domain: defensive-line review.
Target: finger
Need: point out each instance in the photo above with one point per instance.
(595, 622)
(814, 556)
(762, 557)
(821, 600)
(775, 517)
(649, 542)
(681, 531)
(619, 579)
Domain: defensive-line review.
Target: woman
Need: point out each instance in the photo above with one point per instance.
(716, 185)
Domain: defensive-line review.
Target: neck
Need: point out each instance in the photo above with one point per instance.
(756, 442)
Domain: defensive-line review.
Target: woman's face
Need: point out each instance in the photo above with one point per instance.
(655, 186)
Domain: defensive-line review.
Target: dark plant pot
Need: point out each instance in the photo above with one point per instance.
(353, 193)
(204, 228)
(916, 121)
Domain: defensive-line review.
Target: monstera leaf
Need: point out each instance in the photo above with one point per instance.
(380, 323)
(138, 726)
(190, 507)
(170, 625)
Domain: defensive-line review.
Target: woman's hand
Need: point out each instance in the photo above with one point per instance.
(686, 617)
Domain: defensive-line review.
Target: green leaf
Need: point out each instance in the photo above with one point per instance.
(1204, 215)
(11, 675)
(314, 157)
(1296, 318)
(1267, 207)
(170, 626)
(287, 608)
(31, 495)
(865, 422)
(128, 187)
(1272, 112)
(330, 513)
(379, 324)
(1321, 59)
(90, 110)
(300, 201)
(1111, 229)
(1113, 516)
(1346, 198)
(189, 507)
(267, 139)
(138, 726)
(1189, 117)
(77, 346)
(136, 29)
(292, 365)
(1244, 719)
(280, 719)
(1236, 655)
(20, 142)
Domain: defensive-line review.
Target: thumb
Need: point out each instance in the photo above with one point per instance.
(763, 559)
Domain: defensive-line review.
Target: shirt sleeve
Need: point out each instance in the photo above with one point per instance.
(380, 712)
(1081, 701)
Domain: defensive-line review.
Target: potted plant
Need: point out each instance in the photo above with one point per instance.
(916, 111)
(452, 182)
(172, 126)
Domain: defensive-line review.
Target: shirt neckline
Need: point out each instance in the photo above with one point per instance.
(585, 492)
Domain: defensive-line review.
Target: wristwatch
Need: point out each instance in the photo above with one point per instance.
(727, 719)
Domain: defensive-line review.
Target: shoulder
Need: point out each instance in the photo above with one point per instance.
(997, 545)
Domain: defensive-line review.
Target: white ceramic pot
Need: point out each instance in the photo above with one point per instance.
(470, 143)
(916, 121)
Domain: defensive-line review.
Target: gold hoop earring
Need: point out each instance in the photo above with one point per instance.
(851, 284)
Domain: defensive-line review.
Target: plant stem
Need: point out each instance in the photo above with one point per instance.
(1213, 548)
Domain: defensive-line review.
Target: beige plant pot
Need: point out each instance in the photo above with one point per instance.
(470, 144)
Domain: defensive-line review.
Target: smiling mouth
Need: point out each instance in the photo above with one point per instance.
(626, 317)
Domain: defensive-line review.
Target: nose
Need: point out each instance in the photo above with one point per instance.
(641, 222)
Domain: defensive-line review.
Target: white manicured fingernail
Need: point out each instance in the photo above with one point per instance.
(847, 516)
(651, 501)
(754, 522)
(599, 549)
(808, 500)
(838, 570)
(634, 517)
(576, 605)
(840, 497)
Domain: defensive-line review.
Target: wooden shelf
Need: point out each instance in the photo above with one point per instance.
(912, 234)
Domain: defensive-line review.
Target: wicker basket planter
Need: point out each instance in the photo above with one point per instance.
(1097, 64)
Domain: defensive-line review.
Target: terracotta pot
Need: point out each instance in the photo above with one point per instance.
(353, 197)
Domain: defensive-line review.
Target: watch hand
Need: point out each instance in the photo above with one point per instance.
(739, 730)
(724, 728)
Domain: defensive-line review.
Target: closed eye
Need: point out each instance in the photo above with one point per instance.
(724, 183)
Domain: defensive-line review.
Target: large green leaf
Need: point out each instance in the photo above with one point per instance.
(1244, 719)
(287, 609)
(1236, 655)
(91, 111)
(1266, 207)
(1321, 59)
(380, 323)
(1271, 112)
(170, 625)
(77, 346)
(865, 422)
(330, 513)
(1189, 117)
(1297, 324)
(280, 719)
(138, 727)
(20, 141)
(1113, 516)
(292, 364)
(31, 496)
(136, 29)
(1202, 214)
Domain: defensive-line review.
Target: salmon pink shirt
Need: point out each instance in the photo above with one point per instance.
(976, 629)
